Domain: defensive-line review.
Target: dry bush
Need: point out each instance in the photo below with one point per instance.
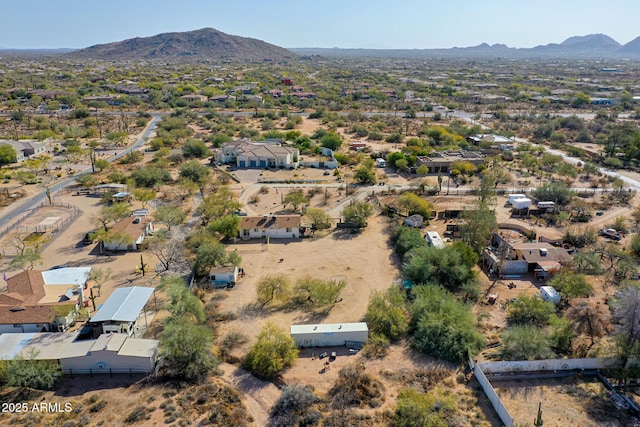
(424, 379)
(355, 387)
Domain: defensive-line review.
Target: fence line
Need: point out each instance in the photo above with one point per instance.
(110, 371)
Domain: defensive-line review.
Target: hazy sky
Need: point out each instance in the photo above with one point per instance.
(322, 23)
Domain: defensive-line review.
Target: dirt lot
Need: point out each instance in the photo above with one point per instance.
(565, 402)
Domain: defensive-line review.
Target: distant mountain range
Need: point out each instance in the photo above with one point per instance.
(209, 44)
(190, 46)
(588, 47)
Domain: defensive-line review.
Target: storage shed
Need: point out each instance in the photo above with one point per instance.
(223, 275)
(415, 220)
(330, 334)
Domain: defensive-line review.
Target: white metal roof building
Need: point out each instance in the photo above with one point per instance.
(124, 305)
(110, 353)
(66, 276)
(329, 334)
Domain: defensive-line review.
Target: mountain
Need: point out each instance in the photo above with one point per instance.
(633, 47)
(190, 46)
(592, 46)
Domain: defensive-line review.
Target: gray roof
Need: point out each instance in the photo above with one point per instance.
(124, 305)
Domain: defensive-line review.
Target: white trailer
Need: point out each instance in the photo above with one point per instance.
(522, 203)
(513, 197)
(329, 334)
(549, 293)
(434, 239)
(546, 205)
(381, 163)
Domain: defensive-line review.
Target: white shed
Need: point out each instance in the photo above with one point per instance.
(223, 275)
(329, 334)
(415, 220)
(549, 293)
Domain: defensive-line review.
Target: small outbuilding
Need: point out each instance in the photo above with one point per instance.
(223, 275)
(330, 334)
(415, 221)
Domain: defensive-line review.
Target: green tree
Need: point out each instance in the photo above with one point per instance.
(365, 175)
(331, 140)
(101, 164)
(29, 372)
(144, 195)
(451, 267)
(8, 154)
(407, 239)
(228, 226)
(183, 304)
(320, 220)
(274, 351)
(117, 138)
(318, 293)
(221, 202)
(295, 198)
(358, 213)
(571, 285)
(526, 342)
(478, 224)
(169, 215)
(530, 310)
(186, 349)
(554, 192)
(387, 313)
(414, 204)
(273, 287)
(442, 326)
(27, 260)
(208, 255)
(150, 176)
(196, 172)
(110, 214)
(195, 148)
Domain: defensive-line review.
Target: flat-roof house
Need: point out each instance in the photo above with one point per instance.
(119, 313)
(440, 161)
(272, 226)
(246, 154)
(135, 228)
(195, 97)
(109, 353)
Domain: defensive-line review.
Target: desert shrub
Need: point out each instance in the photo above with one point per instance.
(387, 314)
(407, 239)
(442, 326)
(530, 310)
(526, 342)
(376, 347)
(274, 351)
(571, 284)
(138, 414)
(294, 407)
(355, 387)
(318, 293)
(433, 409)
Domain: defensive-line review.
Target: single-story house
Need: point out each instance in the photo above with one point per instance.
(38, 301)
(136, 228)
(120, 312)
(440, 161)
(274, 226)
(246, 154)
(25, 148)
(109, 353)
(330, 334)
(223, 275)
(195, 97)
(415, 220)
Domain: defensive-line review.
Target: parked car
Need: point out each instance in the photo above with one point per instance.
(610, 233)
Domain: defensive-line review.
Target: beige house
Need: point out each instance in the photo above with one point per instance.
(246, 154)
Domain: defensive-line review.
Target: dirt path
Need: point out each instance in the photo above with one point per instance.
(258, 396)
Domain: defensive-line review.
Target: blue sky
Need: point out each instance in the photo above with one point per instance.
(411, 24)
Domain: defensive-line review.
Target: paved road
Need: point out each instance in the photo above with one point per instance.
(9, 214)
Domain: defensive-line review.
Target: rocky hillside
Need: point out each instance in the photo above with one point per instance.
(191, 46)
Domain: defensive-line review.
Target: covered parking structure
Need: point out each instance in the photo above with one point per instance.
(120, 312)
